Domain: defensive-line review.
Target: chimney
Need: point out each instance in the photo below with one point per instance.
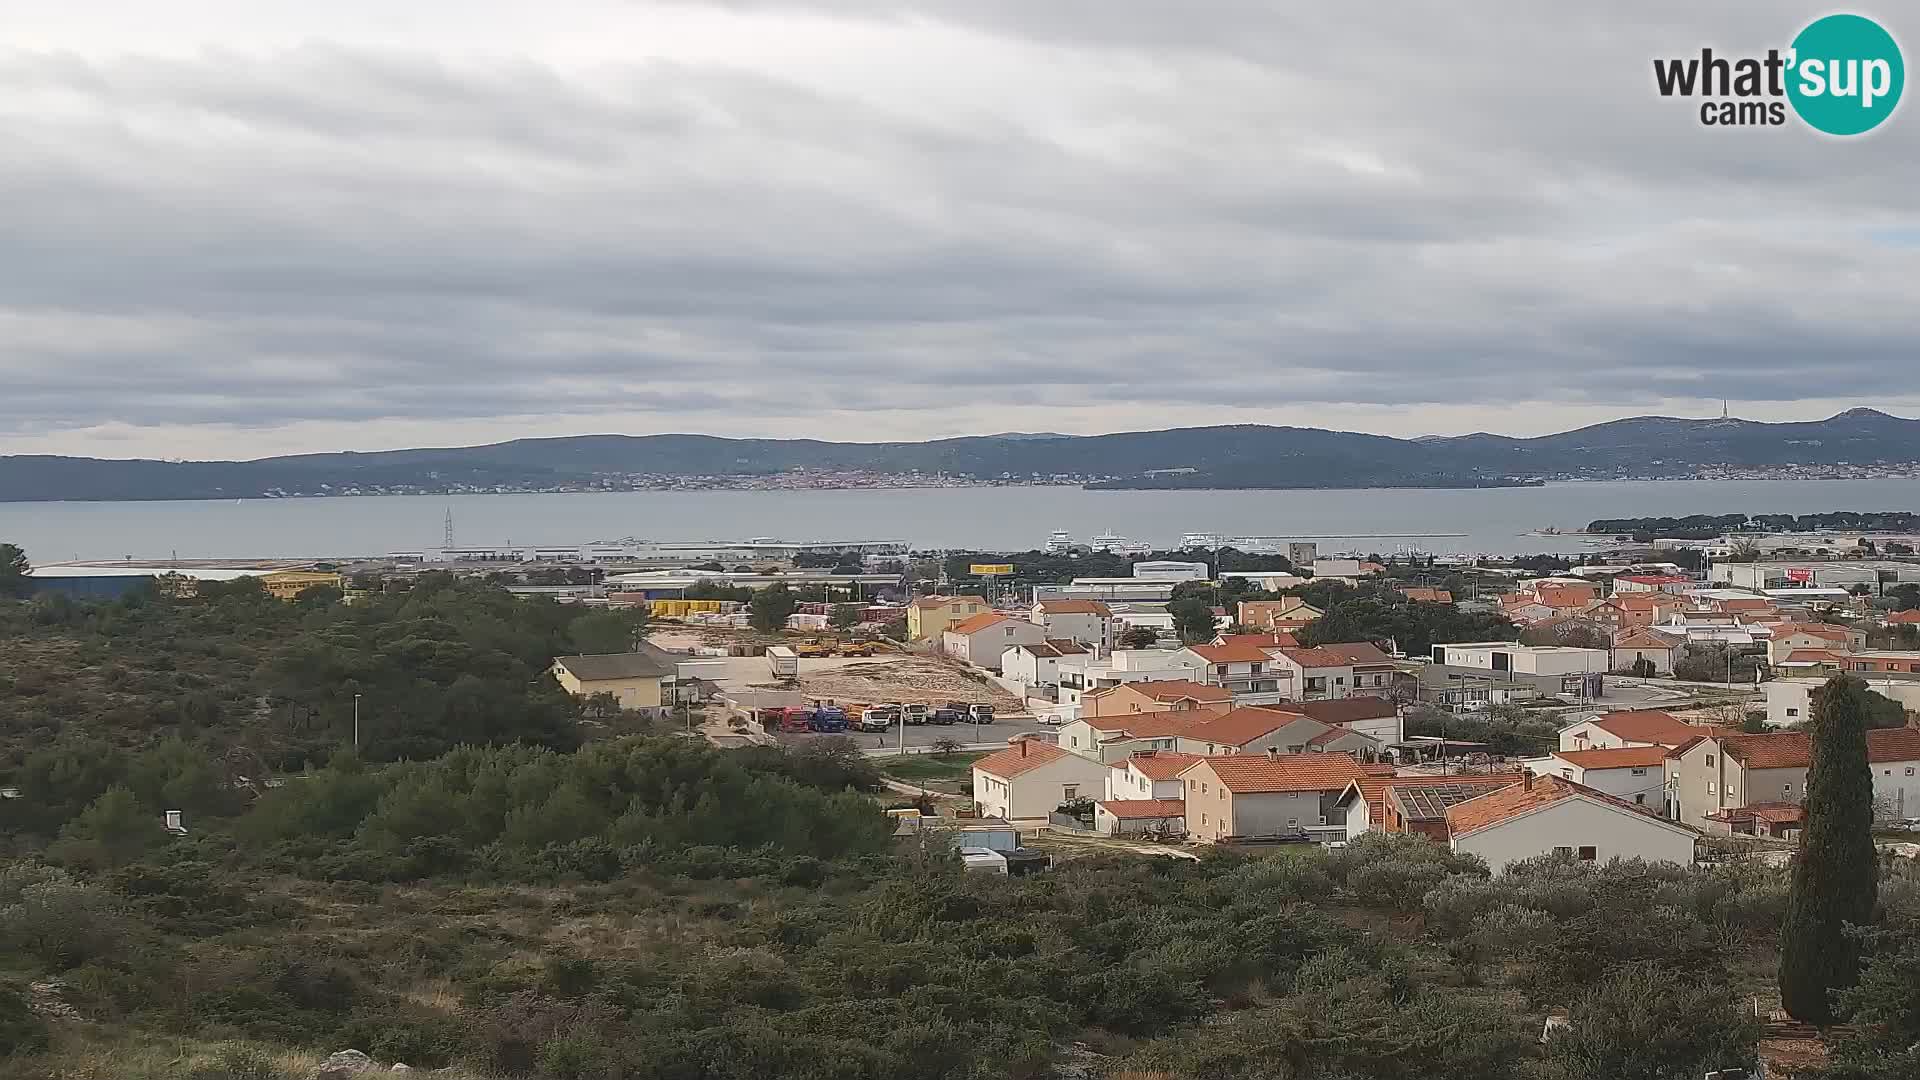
(1526, 779)
(1023, 748)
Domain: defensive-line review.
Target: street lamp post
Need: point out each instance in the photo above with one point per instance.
(356, 723)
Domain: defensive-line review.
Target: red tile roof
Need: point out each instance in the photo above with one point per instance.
(1776, 812)
(1238, 653)
(1357, 653)
(1649, 726)
(1629, 757)
(1323, 657)
(1642, 639)
(1022, 757)
(1148, 725)
(1241, 726)
(1758, 603)
(1134, 809)
(1503, 804)
(977, 623)
(1814, 656)
(1275, 640)
(1430, 596)
(1251, 774)
(1160, 764)
(1341, 711)
(1819, 630)
(1176, 689)
(1794, 749)
(1900, 618)
(1075, 607)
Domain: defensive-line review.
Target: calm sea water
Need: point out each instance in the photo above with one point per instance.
(1495, 520)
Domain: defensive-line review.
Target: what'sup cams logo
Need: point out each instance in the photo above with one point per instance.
(1842, 75)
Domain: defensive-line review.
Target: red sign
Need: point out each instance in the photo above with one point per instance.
(1800, 575)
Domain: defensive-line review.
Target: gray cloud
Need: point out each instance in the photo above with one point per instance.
(294, 235)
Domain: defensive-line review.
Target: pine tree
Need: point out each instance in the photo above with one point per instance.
(1835, 872)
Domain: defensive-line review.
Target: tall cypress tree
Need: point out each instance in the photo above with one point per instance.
(1835, 873)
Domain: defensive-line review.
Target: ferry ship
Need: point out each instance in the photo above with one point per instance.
(1059, 542)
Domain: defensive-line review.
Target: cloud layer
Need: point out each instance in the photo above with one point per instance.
(243, 230)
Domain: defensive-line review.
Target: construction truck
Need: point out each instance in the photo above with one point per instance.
(857, 648)
(814, 648)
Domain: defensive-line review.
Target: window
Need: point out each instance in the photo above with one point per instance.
(1568, 773)
(1219, 669)
(1709, 761)
(1203, 788)
(1563, 851)
(1223, 794)
(1711, 790)
(1256, 668)
(1075, 739)
(1323, 819)
(1589, 854)
(1793, 712)
(1786, 789)
(1071, 792)
(1640, 800)
(1293, 823)
(1339, 680)
(1638, 772)
(1909, 770)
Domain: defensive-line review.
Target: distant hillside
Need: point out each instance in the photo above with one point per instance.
(1240, 456)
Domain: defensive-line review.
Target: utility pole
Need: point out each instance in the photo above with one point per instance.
(356, 723)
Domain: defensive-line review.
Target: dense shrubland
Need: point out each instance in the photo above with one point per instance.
(515, 904)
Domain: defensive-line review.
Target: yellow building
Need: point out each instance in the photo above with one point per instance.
(634, 679)
(289, 584)
(931, 616)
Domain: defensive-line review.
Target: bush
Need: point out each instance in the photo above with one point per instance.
(1646, 1023)
(21, 1030)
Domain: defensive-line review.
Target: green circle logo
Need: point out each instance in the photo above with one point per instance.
(1847, 75)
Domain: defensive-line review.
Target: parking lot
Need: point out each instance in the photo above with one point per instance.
(921, 738)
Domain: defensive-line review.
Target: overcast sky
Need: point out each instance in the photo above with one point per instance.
(233, 228)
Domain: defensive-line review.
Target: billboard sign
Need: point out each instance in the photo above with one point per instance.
(1801, 575)
(991, 569)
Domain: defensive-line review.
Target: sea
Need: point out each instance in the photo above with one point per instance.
(1497, 521)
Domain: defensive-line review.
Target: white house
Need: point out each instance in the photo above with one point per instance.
(1108, 739)
(1242, 667)
(1635, 774)
(1037, 665)
(1030, 778)
(1505, 656)
(1148, 774)
(1316, 674)
(1790, 701)
(1636, 727)
(983, 639)
(1080, 675)
(1550, 815)
(1088, 622)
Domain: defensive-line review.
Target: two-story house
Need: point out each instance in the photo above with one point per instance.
(1262, 795)
(985, 638)
(1038, 664)
(1160, 695)
(1088, 622)
(1789, 638)
(1031, 777)
(1713, 774)
(1633, 727)
(1243, 668)
(1314, 674)
(1108, 739)
(929, 616)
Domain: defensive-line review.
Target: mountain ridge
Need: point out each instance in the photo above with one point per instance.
(1242, 456)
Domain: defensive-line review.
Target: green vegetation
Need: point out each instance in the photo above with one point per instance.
(505, 901)
(1707, 526)
(14, 568)
(1834, 871)
(770, 607)
(931, 769)
(1374, 613)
